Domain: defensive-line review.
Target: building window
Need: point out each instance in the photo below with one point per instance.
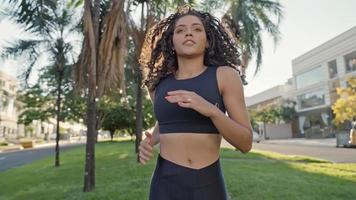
(350, 61)
(312, 99)
(332, 69)
(315, 124)
(310, 77)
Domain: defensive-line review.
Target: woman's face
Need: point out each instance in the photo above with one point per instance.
(189, 37)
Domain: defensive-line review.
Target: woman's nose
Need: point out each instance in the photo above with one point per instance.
(188, 33)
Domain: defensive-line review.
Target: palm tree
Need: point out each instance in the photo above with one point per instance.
(50, 23)
(247, 20)
(100, 66)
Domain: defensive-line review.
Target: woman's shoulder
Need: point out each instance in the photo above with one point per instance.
(227, 71)
(228, 76)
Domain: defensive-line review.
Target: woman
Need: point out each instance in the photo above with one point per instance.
(192, 81)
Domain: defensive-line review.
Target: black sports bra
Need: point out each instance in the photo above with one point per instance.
(172, 118)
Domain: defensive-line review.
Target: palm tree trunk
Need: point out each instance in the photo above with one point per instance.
(60, 77)
(89, 175)
(139, 114)
(138, 110)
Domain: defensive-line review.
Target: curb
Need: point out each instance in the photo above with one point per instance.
(11, 149)
(36, 146)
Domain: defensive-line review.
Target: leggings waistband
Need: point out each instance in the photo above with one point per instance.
(190, 176)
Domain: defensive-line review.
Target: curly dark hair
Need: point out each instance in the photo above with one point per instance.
(158, 58)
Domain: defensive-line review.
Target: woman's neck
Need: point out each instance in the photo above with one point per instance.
(188, 67)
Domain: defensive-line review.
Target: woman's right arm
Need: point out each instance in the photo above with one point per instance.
(152, 138)
(155, 132)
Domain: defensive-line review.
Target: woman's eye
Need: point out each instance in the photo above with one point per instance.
(179, 31)
(198, 29)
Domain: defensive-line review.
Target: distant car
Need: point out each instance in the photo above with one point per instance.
(256, 137)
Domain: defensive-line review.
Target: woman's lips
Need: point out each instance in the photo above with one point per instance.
(189, 42)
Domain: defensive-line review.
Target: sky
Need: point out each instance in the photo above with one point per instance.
(306, 25)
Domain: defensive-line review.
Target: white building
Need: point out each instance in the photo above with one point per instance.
(10, 109)
(272, 97)
(8, 106)
(316, 75)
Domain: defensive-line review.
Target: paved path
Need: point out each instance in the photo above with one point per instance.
(322, 149)
(10, 160)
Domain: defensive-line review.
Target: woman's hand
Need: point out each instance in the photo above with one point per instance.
(146, 148)
(188, 99)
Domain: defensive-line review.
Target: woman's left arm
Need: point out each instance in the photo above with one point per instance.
(235, 128)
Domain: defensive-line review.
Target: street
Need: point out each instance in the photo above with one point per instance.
(18, 158)
(330, 153)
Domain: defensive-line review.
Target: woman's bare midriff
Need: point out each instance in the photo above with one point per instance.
(193, 150)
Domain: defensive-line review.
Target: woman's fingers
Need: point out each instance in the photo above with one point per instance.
(148, 134)
(149, 137)
(185, 105)
(146, 143)
(144, 159)
(178, 98)
(179, 92)
(145, 151)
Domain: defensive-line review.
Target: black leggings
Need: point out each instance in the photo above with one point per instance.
(175, 182)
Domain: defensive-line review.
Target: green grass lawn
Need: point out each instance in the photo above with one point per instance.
(256, 175)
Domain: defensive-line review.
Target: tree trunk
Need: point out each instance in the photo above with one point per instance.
(60, 76)
(139, 113)
(89, 175)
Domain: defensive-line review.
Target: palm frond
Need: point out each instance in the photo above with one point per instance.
(248, 19)
(112, 50)
(211, 5)
(29, 65)
(20, 48)
(85, 68)
(271, 27)
(33, 15)
(74, 3)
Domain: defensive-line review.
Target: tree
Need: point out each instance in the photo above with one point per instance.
(125, 102)
(118, 114)
(345, 106)
(100, 68)
(274, 114)
(267, 115)
(248, 19)
(37, 105)
(287, 111)
(50, 23)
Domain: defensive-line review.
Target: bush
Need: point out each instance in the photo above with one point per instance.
(4, 143)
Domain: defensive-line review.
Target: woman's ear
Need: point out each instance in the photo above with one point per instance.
(207, 44)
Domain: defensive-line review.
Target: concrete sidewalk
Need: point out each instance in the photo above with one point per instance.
(325, 142)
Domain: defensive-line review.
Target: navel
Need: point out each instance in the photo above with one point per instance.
(190, 161)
